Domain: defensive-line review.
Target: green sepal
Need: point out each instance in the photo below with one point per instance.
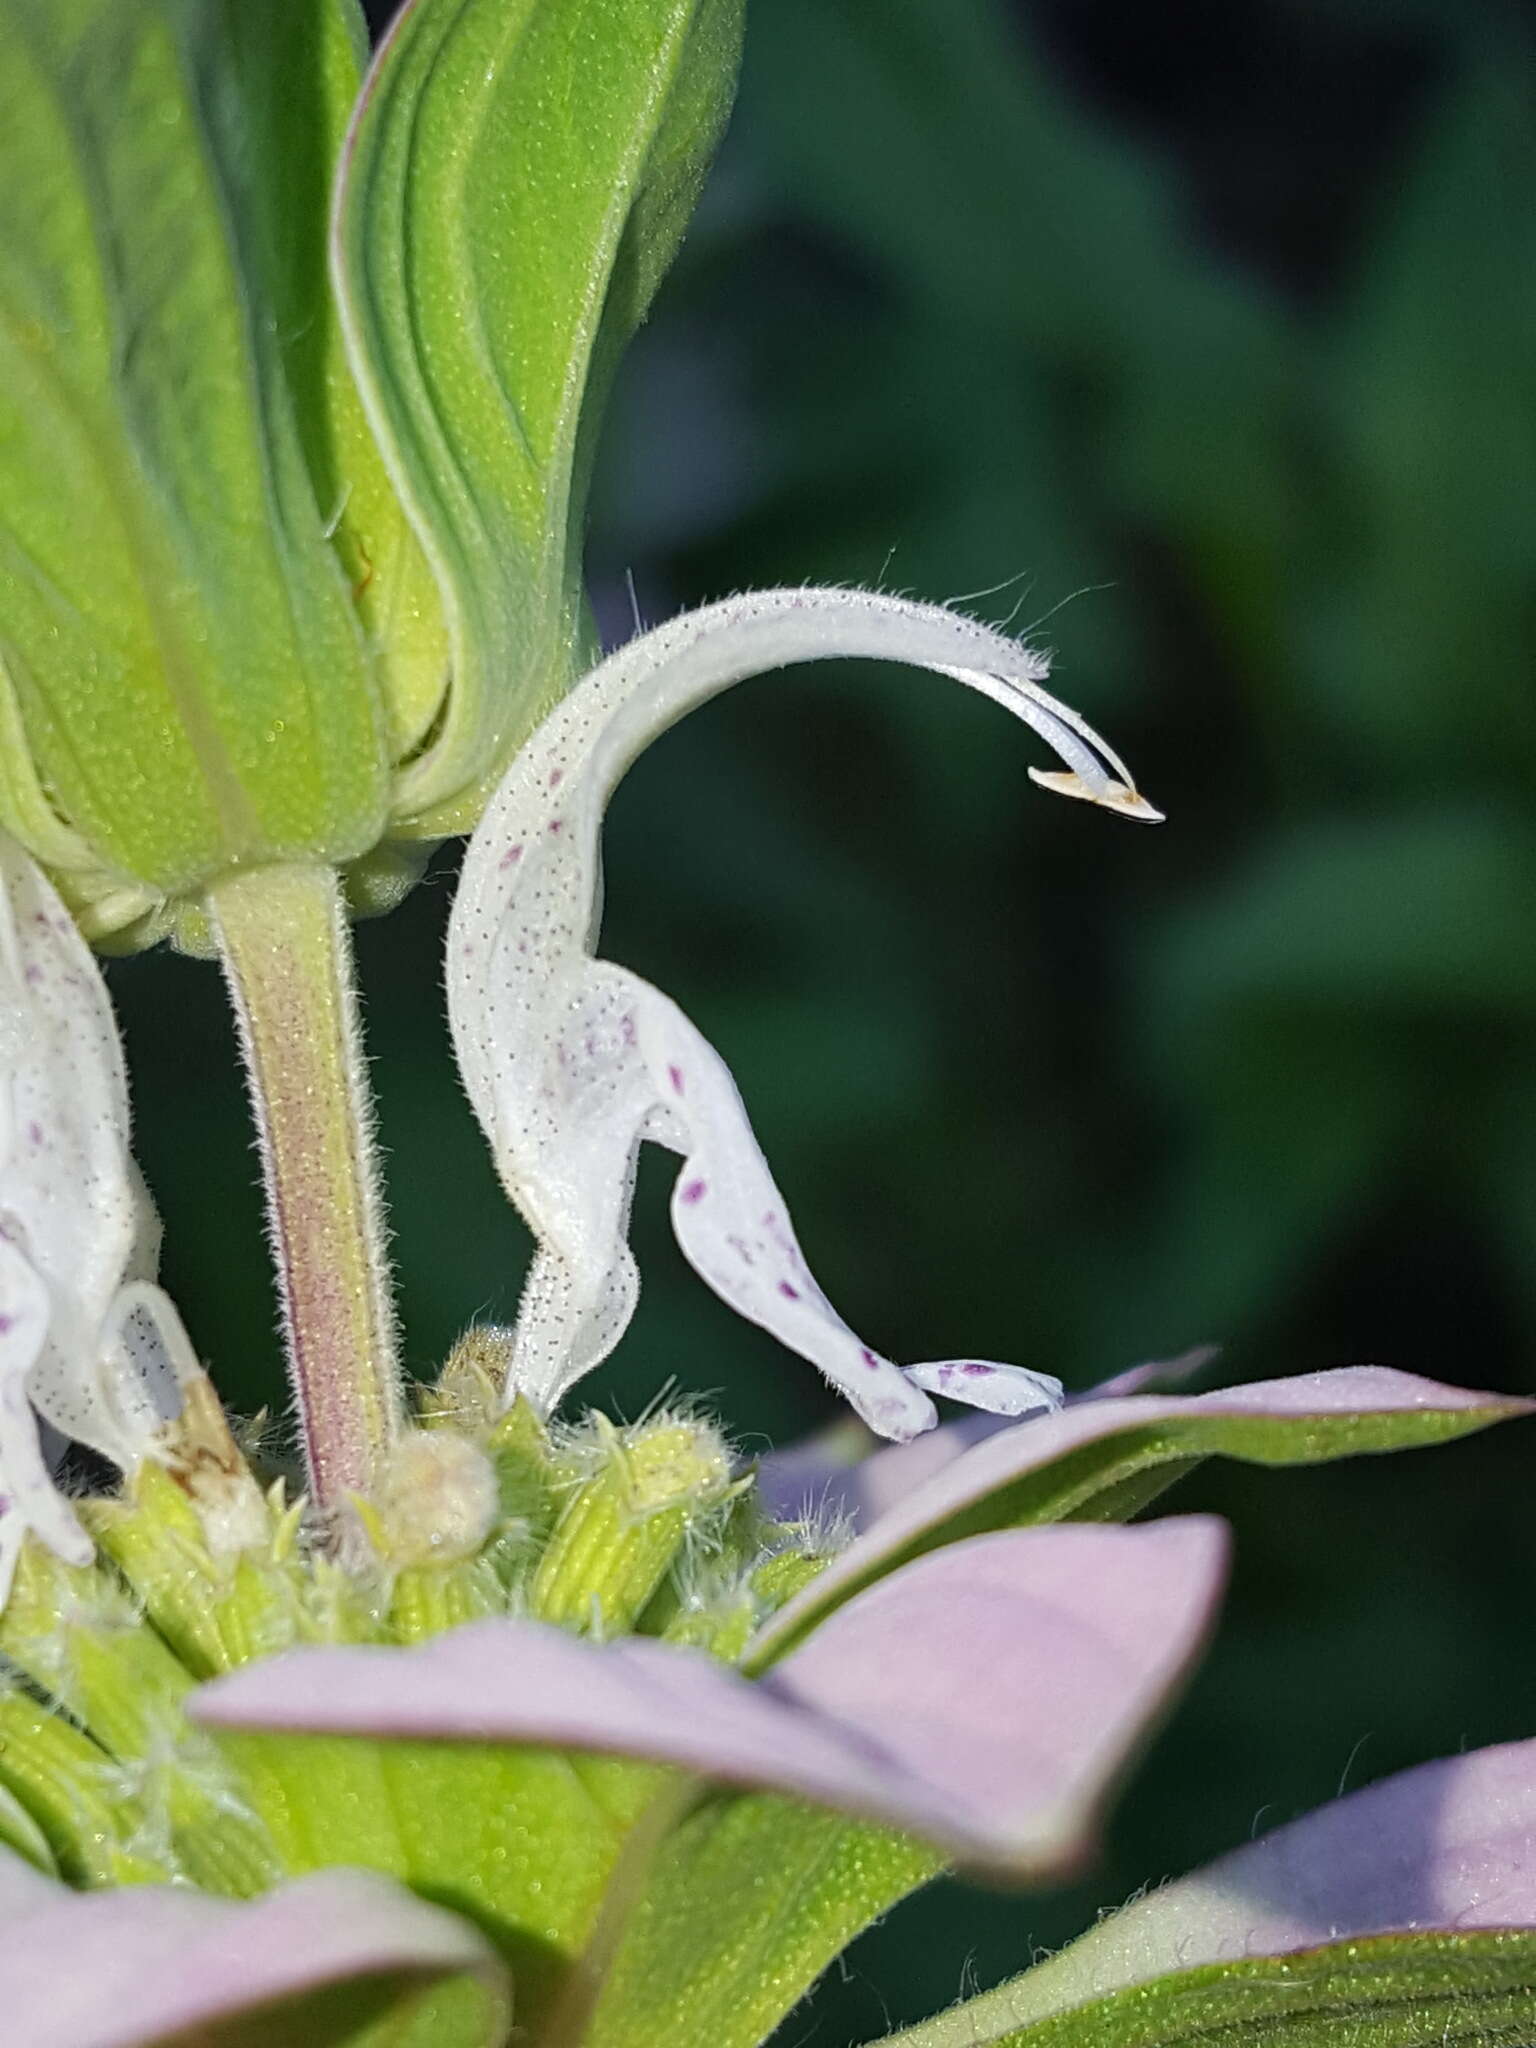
(526, 1476)
(217, 1564)
(466, 1399)
(1433, 1989)
(426, 1599)
(94, 1830)
(76, 1634)
(21, 1834)
(723, 1624)
(516, 182)
(74, 1631)
(718, 1601)
(215, 1613)
(646, 1491)
(779, 1578)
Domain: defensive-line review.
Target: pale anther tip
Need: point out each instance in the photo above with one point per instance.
(1118, 797)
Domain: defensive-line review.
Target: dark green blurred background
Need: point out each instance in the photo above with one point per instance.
(1207, 335)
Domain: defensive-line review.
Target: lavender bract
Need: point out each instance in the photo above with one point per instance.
(907, 1708)
(1451, 1844)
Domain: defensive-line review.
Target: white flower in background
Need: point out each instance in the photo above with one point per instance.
(570, 1061)
(86, 1341)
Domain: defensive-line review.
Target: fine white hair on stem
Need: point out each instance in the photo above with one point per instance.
(571, 1062)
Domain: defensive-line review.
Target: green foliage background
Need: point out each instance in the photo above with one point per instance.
(1207, 338)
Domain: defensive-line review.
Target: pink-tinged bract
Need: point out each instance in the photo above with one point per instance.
(135, 1968)
(1450, 1845)
(1018, 1475)
(986, 1699)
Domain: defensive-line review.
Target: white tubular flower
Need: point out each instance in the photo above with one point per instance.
(86, 1341)
(570, 1061)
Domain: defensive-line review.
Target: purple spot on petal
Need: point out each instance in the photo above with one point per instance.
(556, 777)
(557, 824)
(511, 857)
(6, 1324)
(34, 1134)
(975, 1370)
(675, 1076)
(694, 1192)
(789, 1293)
(870, 1359)
(34, 975)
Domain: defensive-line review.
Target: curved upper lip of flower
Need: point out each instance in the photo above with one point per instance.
(571, 1062)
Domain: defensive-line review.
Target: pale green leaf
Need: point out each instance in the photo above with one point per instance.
(1431, 1990)
(186, 684)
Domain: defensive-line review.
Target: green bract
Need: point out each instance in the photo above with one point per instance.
(1433, 1990)
(517, 180)
(221, 644)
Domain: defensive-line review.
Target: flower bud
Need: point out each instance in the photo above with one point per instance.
(290, 550)
(220, 637)
(468, 1392)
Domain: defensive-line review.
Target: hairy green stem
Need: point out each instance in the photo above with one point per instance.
(288, 961)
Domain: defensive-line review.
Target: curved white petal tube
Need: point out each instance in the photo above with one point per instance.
(570, 1062)
(85, 1340)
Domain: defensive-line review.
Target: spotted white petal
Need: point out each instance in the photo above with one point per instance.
(28, 1497)
(1010, 1390)
(86, 1342)
(571, 1062)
